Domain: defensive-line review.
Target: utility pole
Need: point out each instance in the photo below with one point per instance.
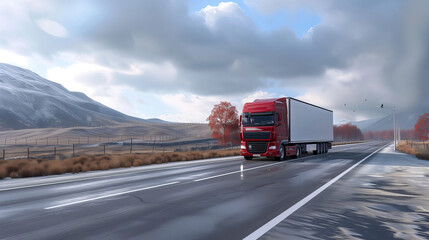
(394, 124)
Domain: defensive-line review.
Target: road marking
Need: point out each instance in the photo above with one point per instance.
(269, 225)
(106, 175)
(111, 195)
(239, 171)
(249, 169)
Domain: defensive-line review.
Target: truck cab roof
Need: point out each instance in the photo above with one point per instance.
(263, 105)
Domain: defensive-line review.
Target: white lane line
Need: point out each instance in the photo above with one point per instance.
(249, 169)
(239, 171)
(111, 195)
(266, 227)
(196, 162)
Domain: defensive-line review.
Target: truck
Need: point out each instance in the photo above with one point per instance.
(284, 127)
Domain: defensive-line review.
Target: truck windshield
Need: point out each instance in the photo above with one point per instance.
(258, 119)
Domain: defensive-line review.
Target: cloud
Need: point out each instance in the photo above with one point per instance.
(95, 81)
(376, 49)
(217, 51)
(256, 95)
(51, 27)
(190, 108)
(225, 11)
(13, 58)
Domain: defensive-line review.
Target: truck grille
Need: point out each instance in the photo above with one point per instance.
(257, 147)
(256, 135)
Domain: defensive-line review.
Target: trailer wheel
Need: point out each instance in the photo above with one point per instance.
(282, 153)
(248, 157)
(298, 152)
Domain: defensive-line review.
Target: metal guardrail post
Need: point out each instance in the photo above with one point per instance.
(55, 152)
(4, 154)
(73, 150)
(28, 153)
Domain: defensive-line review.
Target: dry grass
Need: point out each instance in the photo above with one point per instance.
(37, 167)
(417, 148)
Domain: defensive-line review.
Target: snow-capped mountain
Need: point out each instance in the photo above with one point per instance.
(30, 101)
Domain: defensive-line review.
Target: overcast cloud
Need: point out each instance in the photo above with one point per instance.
(361, 54)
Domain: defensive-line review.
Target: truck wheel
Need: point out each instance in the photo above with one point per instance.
(298, 152)
(282, 153)
(248, 157)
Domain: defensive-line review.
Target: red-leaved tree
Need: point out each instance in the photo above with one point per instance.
(422, 127)
(388, 135)
(347, 132)
(223, 122)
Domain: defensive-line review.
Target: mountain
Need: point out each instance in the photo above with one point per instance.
(30, 101)
(156, 120)
(405, 120)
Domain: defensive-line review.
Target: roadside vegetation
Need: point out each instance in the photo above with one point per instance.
(20, 168)
(418, 148)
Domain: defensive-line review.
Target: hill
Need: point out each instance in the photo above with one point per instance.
(405, 120)
(30, 101)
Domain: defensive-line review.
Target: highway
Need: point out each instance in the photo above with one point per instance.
(227, 198)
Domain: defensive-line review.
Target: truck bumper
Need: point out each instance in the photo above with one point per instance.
(272, 150)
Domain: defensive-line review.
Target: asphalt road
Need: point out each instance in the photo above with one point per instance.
(227, 198)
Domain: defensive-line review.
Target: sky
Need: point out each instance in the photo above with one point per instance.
(176, 59)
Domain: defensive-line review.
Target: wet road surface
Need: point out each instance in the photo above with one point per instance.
(225, 198)
(387, 197)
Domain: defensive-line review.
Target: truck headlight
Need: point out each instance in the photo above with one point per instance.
(272, 147)
(243, 146)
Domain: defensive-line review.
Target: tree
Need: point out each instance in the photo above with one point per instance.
(347, 132)
(422, 127)
(388, 135)
(223, 122)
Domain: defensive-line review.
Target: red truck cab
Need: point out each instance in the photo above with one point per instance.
(264, 127)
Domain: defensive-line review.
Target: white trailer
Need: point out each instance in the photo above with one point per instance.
(309, 123)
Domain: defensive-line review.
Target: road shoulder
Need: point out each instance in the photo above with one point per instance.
(384, 198)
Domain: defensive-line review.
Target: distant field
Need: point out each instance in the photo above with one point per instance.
(88, 135)
(418, 148)
(62, 143)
